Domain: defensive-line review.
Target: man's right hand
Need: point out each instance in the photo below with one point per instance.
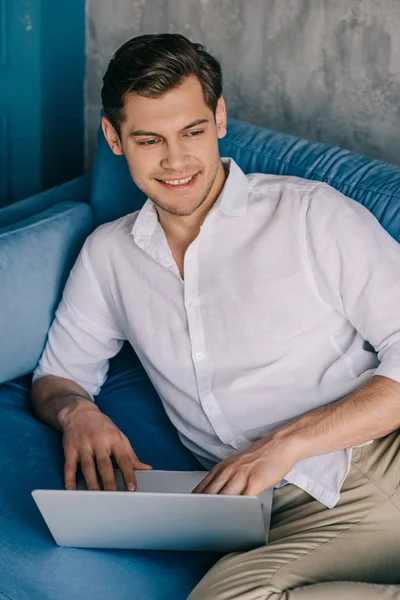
(91, 439)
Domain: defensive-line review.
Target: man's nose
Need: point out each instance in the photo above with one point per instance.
(175, 157)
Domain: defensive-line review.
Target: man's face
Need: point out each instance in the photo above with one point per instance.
(169, 139)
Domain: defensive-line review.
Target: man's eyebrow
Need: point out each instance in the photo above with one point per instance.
(138, 132)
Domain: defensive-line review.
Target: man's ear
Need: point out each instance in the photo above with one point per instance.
(111, 136)
(220, 117)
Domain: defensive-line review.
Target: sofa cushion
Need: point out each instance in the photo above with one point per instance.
(31, 564)
(36, 255)
(373, 183)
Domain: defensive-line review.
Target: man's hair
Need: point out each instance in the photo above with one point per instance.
(152, 65)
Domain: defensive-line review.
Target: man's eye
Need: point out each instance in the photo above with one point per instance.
(154, 141)
(147, 143)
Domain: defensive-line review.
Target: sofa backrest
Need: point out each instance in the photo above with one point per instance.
(373, 183)
(37, 252)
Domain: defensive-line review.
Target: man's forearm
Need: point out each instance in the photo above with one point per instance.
(55, 398)
(371, 412)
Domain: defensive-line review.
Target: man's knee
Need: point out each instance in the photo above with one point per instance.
(243, 576)
(223, 590)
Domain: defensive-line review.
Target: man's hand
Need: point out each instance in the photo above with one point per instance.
(91, 438)
(251, 471)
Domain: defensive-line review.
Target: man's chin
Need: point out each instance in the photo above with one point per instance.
(177, 211)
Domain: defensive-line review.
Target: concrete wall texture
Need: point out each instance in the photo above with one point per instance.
(326, 70)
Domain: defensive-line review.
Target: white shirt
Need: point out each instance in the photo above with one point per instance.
(283, 284)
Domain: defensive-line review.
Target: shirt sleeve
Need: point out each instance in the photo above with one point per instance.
(83, 335)
(356, 267)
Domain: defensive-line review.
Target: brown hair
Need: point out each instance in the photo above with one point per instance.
(151, 65)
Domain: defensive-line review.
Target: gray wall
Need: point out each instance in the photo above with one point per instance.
(326, 70)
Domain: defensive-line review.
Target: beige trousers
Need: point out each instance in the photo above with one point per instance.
(314, 553)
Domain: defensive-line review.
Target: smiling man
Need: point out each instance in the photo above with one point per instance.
(249, 300)
(174, 157)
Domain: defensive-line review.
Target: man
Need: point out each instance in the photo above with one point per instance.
(249, 300)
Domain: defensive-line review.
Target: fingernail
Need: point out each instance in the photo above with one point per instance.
(131, 487)
(69, 488)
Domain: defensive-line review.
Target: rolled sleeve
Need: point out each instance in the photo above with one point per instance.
(84, 335)
(356, 265)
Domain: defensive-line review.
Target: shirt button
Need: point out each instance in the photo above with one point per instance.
(199, 355)
(191, 304)
(240, 443)
(209, 407)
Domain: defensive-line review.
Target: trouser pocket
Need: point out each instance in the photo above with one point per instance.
(380, 462)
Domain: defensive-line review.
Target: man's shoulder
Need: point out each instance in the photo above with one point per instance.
(316, 201)
(320, 194)
(111, 235)
(262, 183)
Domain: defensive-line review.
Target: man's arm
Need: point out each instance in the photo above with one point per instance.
(53, 398)
(90, 438)
(371, 412)
(71, 371)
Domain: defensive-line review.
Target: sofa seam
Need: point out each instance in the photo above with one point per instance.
(5, 596)
(327, 179)
(387, 499)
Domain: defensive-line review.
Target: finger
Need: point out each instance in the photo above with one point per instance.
(70, 468)
(217, 484)
(126, 466)
(128, 474)
(89, 470)
(204, 486)
(106, 470)
(255, 486)
(204, 482)
(138, 464)
(235, 486)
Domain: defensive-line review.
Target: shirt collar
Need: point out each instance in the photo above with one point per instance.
(233, 198)
(232, 201)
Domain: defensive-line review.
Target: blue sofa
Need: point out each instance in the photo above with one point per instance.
(39, 240)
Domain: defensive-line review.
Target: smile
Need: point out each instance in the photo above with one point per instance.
(177, 181)
(179, 184)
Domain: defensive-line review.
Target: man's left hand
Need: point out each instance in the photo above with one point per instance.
(252, 470)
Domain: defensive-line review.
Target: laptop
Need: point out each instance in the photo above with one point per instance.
(161, 514)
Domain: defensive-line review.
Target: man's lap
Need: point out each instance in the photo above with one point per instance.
(357, 541)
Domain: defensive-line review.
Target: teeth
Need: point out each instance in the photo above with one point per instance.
(178, 181)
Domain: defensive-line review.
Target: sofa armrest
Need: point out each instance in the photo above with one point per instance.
(36, 255)
(76, 190)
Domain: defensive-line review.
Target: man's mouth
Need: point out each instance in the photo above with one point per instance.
(179, 184)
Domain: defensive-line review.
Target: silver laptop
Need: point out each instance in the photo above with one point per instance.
(161, 515)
